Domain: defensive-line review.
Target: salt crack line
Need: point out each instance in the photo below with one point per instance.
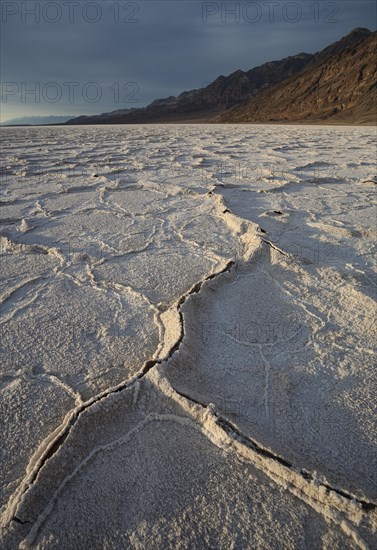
(56, 439)
(336, 505)
(152, 417)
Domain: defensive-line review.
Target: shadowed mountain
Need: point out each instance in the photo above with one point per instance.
(338, 87)
(212, 99)
(336, 82)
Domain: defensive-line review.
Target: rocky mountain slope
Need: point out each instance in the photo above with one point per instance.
(335, 84)
(338, 86)
(210, 100)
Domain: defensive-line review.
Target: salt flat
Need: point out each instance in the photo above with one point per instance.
(187, 337)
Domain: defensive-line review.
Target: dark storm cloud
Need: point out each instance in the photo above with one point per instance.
(155, 49)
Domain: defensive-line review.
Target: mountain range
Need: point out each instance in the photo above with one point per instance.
(334, 85)
(339, 85)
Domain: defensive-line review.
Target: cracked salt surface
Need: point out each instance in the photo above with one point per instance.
(187, 338)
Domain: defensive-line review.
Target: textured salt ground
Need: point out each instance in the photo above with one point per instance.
(283, 372)
(281, 344)
(159, 475)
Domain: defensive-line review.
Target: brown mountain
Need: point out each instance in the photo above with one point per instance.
(210, 100)
(338, 86)
(335, 84)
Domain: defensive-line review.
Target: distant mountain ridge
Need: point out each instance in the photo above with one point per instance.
(96, 119)
(36, 120)
(274, 91)
(204, 103)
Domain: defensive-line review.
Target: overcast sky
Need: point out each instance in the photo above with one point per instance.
(83, 57)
